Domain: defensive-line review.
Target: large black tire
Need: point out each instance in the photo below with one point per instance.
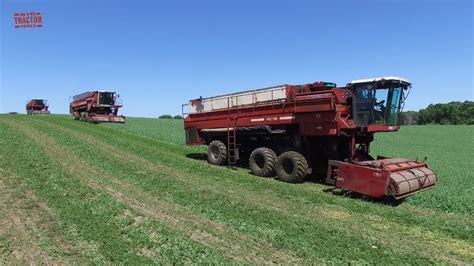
(291, 167)
(262, 162)
(217, 153)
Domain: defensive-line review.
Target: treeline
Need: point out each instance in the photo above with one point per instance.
(170, 117)
(453, 113)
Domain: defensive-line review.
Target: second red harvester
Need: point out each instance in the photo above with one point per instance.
(96, 107)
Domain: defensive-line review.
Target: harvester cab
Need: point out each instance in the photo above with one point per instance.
(376, 104)
(106, 99)
(378, 101)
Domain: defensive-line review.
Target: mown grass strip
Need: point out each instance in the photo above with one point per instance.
(394, 233)
(220, 199)
(91, 218)
(444, 145)
(29, 229)
(201, 230)
(308, 194)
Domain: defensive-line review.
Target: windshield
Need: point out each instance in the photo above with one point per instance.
(38, 102)
(106, 98)
(377, 104)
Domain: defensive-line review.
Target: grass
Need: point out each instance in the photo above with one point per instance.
(135, 193)
(448, 150)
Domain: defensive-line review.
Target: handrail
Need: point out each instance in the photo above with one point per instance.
(183, 114)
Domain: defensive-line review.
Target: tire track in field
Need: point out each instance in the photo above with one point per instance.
(27, 223)
(378, 228)
(239, 191)
(218, 236)
(93, 141)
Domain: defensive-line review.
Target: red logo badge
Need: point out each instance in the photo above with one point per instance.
(28, 20)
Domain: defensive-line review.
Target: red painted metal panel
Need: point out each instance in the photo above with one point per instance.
(312, 107)
(362, 179)
(318, 129)
(382, 128)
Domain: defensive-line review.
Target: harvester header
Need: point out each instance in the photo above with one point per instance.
(317, 129)
(96, 107)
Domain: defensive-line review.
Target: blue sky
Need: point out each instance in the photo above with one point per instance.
(160, 54)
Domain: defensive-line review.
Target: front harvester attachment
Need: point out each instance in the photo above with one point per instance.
(106, 118)
(394, 177)
(98, 118)
(38, 112)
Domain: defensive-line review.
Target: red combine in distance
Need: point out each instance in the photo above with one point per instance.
(96, 107)
(37, 106)
(292, 131)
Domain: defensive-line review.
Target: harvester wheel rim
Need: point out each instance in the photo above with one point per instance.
(215, 151)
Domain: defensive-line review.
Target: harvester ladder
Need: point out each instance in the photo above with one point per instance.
(232, 142)
(232, 133)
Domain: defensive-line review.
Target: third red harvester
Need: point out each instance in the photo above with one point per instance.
(96, 107)
(292, 131)
(37, 106)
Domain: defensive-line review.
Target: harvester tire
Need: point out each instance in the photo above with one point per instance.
(217, 153)
(262, 162)
(291, 167)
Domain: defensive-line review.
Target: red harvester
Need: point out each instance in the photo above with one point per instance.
(292, 131)
(96, 107)
(37, 106)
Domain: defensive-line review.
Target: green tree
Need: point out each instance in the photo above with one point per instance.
(165, 117)
(455, 113)
(409, 118)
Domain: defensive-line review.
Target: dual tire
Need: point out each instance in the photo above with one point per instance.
(262, 162)
(289, 167)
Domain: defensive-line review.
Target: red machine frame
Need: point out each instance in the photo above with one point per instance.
(317, 111)
(90, 107)
(37, 106)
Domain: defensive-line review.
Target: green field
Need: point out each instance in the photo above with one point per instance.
(74, 192)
